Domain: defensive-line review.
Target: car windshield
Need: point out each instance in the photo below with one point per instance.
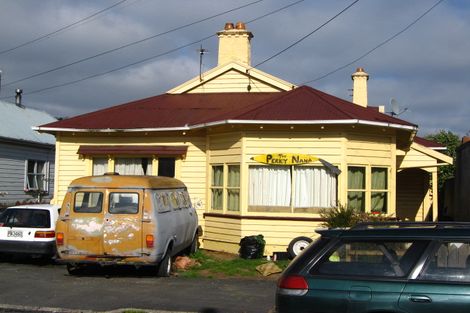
(29, 218)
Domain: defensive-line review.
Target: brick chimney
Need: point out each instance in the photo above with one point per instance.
(234, 44)
(360, 87)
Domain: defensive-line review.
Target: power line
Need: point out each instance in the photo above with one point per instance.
(308, 35)
(376, 47)
(273, 12)
(147, 59)
(62, 28)
(130, 44)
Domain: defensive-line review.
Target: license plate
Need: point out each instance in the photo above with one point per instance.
(15, 233)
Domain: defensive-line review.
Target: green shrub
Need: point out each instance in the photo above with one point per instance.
(343, 217)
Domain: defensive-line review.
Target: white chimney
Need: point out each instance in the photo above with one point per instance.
(234, 44)
(360, 78)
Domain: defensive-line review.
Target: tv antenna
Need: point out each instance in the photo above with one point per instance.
(201, 51)
(395, 108)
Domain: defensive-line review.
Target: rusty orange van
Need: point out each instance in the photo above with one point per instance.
(119, 219)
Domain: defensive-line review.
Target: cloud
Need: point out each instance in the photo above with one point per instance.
(425, 68)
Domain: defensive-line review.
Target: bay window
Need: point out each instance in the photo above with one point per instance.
(368, 192)
(357, 188)
(217, 187)
(225, 187)
(379, 191)
(291, 188)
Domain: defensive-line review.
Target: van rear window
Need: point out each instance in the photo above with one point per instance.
(88, 202)
(123, 203)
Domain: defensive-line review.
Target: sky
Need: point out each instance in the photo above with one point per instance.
(425, 68)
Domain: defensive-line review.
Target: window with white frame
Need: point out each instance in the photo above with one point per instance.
(379, 190)
(368, 194)
(233, 188)
(291, 188)
(100, 166)
(357, 188)
(36, 175)
(217, 187)
(225, 187)
(133, 166)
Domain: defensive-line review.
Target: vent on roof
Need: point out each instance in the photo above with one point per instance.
(19, 92)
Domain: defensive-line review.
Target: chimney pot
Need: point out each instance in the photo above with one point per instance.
(240, 25)
(234, 44)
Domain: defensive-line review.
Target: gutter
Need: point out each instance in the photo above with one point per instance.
(225, 122)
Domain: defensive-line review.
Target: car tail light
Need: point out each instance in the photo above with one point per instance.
(59, 239)
(149, 241)
(293, 285)
(44, 234)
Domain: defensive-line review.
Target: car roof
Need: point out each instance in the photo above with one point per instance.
(402, 230)
(43, 206)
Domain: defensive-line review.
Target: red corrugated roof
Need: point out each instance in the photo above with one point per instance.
(429, 143)
(180, 110)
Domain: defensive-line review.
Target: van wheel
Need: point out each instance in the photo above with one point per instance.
(297, 245)
(164, 268)
(74, 269)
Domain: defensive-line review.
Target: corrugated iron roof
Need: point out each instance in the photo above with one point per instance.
(16, 123)
(429, 143)
(186, 110)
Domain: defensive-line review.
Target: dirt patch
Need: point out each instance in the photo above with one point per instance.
(223, 256)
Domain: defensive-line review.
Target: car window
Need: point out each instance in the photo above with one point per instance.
(371, 258)
(29, 218)
(449, 262)
(88, 202)
(162, 201)
(123, 203)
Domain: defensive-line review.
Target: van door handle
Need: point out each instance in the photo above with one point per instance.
(420, 299)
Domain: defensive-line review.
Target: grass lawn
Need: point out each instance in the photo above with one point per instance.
(219, 265)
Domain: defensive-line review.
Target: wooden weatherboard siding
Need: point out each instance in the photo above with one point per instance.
(191, 169)
(12, 169)
(223, 232)
(234, 81)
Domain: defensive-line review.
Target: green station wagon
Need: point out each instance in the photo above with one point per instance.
(381, 267)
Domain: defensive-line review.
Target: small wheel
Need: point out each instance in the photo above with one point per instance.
(164, 268)
(74, 269)
(297, 245)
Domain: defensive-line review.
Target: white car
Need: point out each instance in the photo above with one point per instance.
(29, 230)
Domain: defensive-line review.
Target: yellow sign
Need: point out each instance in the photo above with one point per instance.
(285, 158)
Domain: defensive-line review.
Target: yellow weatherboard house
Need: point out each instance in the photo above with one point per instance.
(258, 155)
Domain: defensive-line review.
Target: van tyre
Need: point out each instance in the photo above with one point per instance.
(74, 269)
(164, 268)
(297, 245)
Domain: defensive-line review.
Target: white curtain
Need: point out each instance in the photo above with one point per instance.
(315, 187)
(100, 166)
(132, 166)
(270, 186)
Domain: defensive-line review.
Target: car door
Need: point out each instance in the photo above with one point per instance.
(122, 226)
(444, 282)
(364, 275)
